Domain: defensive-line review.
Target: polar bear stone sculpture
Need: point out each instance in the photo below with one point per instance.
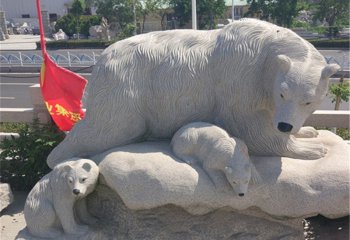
(225, 159)
(49, 207)
(256, 80)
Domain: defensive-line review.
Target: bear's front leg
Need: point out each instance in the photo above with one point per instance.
(83, 213)
(219, 179)
(65, 213)
(306, 132)
(307, 149)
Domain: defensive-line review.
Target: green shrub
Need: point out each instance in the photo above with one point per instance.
(11, 127)
(68, 23)
(23, 159)
(71, 44)
(342, 91)
(330, 43)
(86, 21)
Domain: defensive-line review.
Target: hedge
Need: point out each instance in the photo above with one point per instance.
(76, 44)
(330, 43)
(88, 43)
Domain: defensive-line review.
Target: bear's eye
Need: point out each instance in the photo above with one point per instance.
(234, 182)
(308, 103)
(70, 180)
(83, 179)
(282, 96)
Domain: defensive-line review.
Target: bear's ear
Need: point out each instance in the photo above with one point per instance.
(87, 166)
(284, 63)
(67, 168)
(255, 176)
(329, 70)
(228, 170)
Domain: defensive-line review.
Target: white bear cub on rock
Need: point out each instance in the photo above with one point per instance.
(223, 158)
(49, 207)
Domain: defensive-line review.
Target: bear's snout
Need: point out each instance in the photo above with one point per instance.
(241, 194)
(284, 127)
(76, 191)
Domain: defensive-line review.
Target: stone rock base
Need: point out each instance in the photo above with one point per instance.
(169, 222)
(6, 196)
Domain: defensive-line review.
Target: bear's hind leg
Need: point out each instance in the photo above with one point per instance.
(307, 149)
(306, 132)
(43, 222)
(87, 139)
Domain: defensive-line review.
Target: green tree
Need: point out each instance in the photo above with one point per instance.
(333, 12)
(280, 11)
(208, 11)
(146, 7)
(120, 11)
(340, 92)
(67, 23)
(77, 9)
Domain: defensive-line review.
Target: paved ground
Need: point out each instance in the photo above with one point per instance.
(20, 42)
(12, 218)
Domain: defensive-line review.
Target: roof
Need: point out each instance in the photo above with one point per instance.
(236, 2)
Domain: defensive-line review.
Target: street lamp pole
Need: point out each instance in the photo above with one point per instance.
(134, 12)
(233, 10)
(194, 15)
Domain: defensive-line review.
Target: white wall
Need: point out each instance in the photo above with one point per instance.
(15, 8)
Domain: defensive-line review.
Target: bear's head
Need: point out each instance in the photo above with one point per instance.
(298, 90)
(81, 176)
(240, 171)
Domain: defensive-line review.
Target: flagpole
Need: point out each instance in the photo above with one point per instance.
(194, 15)
(41, 28)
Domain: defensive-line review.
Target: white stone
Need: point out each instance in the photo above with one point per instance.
(225, 159)
(147, 175)
(49, 208)
(60, 35)
(256, 80)
(6, 196)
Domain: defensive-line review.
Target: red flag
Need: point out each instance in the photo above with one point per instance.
(62, 89)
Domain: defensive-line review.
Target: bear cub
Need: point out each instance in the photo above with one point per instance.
(49, 208)
(225, 159)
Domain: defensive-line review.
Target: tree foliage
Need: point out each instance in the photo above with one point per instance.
(280, 11)
(340, 92)
(120, 11)
(145, 8)
(208, 11)
(333, 12)
(68, 24)
(78, 7)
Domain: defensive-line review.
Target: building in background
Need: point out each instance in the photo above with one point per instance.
(15, 9)
(240, 8)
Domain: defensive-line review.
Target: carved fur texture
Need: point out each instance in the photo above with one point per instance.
(256, 80)
(49, 208)
(225, 159)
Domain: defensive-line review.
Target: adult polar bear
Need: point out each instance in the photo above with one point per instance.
(256, 80)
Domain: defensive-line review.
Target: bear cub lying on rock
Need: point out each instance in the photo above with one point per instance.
(49, 207)
(223, 158)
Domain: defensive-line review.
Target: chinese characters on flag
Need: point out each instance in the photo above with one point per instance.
(62, 89)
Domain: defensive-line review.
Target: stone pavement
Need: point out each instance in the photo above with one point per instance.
(20, 42)
(12, 218)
